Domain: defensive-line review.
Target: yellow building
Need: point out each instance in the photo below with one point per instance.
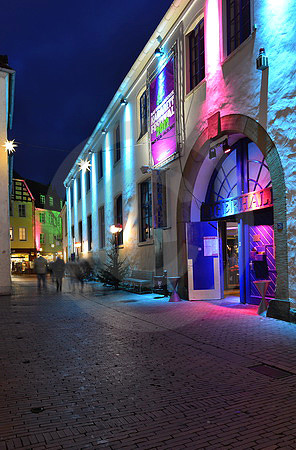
(35, 224)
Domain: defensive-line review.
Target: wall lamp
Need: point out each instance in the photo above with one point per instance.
(123, 101)
(104, 131)
(159, 52)
(116, 228)
(226, 147)
(223, 140)
(146, 169)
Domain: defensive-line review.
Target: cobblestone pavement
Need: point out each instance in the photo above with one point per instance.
(128, 371)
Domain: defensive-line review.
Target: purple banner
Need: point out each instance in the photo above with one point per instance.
(162, 115)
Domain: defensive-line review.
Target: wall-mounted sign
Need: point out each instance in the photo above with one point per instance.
(162, 115)
(251, 201)
(211, 246)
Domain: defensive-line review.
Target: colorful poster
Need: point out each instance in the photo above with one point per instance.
(162, 115)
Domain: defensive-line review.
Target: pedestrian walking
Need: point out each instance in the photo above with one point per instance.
(58, 270)
(40, 268)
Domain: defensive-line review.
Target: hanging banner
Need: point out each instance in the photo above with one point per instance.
(162, 115)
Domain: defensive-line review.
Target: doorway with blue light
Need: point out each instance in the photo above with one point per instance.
(238, 213)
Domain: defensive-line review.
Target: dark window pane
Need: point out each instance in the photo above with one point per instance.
(145, 211)
(197, 58)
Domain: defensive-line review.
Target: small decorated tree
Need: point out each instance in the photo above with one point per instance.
(114, 270)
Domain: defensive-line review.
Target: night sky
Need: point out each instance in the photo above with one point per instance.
(70, 58)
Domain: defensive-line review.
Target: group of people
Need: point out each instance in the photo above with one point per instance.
(57, 270)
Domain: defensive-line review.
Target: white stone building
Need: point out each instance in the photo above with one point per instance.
(159, 162)
(6, 113)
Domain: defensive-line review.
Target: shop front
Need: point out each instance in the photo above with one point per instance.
(233, 244)
(22, 261)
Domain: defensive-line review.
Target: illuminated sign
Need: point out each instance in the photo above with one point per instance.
(162, 115)
(251, 201)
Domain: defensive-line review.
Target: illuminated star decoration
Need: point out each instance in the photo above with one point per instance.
(10, 146)
(84, 164)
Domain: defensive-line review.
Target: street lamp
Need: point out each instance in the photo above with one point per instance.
(115, 229)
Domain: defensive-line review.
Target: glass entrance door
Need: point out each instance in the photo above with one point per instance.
(231, 270)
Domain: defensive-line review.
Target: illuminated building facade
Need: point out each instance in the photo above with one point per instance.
(7, 76)
(35, 224)
(194, 155)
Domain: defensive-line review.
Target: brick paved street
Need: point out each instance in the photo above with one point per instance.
(128, 371)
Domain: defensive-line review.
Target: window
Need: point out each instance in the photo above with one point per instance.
(238, 13)
(42, 217)
(117, 144)
(102, 227)
(118, 218)
(78, 187)
(72, 195)
(50, 201)
(80, 232)
(196, 54)
(22, 210)
(22, 234)
(145, 211)
(87, 180)
(42, 199)
(42, 240)
(52, 220)
(143, 114)
(11, 233)
(100, 164)
(61, 204)
(65, 226)
(89, 232)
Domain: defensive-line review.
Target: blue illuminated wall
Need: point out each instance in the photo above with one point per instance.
(94, 202)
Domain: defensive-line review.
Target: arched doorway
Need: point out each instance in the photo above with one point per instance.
(194, 171)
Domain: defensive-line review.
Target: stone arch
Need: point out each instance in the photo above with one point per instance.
(230, 124)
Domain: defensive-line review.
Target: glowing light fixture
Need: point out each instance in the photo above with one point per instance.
(226, 147)
(84, 165)
(10, 146)
(104, 131)
(262, 60)
(52, 245)
(159, 52)
(116, 228)
(123, 101)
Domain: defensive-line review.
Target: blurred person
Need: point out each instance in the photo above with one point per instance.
(58, 271)
(40, 268)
